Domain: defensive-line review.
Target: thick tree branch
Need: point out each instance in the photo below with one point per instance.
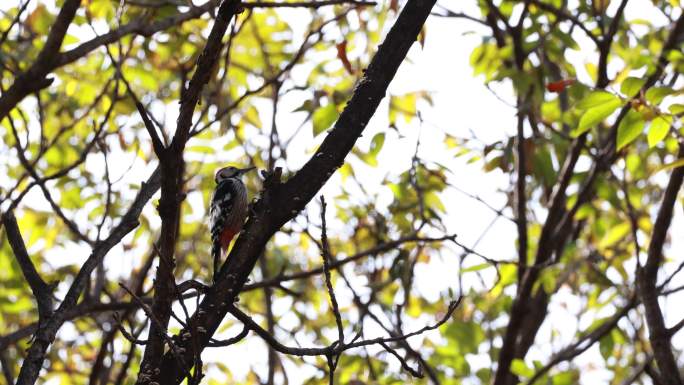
(520, 197)
(41, 290)
(34, 78)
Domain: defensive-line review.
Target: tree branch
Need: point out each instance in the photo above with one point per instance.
(41, 290)
(520, 197)
(381, 248)
(604, 47)
(34, 78)
(327, 258)
(336, 347)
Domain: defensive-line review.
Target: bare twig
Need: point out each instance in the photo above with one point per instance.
(415, 373)
(14, 21)
(381, 248)
(336, 348)
(126, 334)
(150, 314)
(327, 257)
(230, 341)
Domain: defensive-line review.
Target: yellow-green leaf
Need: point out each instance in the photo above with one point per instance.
(477, 267)
(677, 108)
(402, 105)
(376, 143)
(519, 368)
(655, 95)
(660, 126)
(596, 115)
(613, 235)
(631, 86)
(323, 118)
(595, 99)
(629, 129)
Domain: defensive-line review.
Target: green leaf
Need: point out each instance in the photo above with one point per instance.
(307, 106)
(660, 126)
(677, 108)
(464, 337)
(201, 149)
(251, 116)
(596, 115)
(478, 267)
(655, 95)
(548, 280)
(632, 85)
(629, 129)
(565, 378)
(519, 368)
(404, 105)
(371, 157)
(40, 19)
(615, 234)
(323, 118)
(595, 99)
(432, 200)
(606, 345)
(376, 144)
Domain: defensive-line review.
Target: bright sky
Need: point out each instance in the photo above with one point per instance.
(462, 106)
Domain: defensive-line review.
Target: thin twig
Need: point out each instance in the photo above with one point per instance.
(150, 314)
(126, 334)
(326, 269)
(336, 348)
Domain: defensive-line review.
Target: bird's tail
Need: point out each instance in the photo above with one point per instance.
(216, 255)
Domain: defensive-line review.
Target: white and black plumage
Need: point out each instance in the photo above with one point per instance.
(227, 211)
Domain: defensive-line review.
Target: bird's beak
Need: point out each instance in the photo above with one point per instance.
(245, 170)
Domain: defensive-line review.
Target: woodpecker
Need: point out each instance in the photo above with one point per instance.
(227, 210)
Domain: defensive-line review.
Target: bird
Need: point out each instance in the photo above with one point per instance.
(227, 210)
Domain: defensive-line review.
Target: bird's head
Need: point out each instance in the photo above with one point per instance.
(230, 172)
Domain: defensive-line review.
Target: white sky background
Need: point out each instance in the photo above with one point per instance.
(461, 105)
